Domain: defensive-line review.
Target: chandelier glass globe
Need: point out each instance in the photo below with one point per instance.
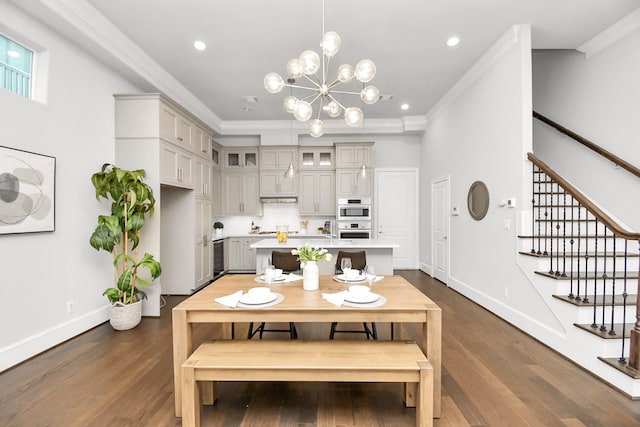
(345, 73)
(289, 103)
(370, 94)
(333, 109)
(302, 111)
(316, 129)
(273, 82)
(365, 71)
(353, 116)
(294, 68)
(309, 61)
(330, 44)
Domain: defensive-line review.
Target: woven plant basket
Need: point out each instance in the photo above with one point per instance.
(125, 316)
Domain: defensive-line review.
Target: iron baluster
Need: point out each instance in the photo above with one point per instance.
(551, 234)
(623, 359)
(539, 209)
(546, 213)
(595, 278)
(579, 241)
(612, 331)
(533, 209)
(564, 234)
(604, 280)
(571, 242)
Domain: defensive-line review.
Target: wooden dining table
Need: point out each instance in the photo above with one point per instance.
(404, 304)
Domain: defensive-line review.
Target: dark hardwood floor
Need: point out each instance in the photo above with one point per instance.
(493, 375)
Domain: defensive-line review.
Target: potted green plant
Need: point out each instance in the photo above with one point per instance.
(119, 233)
(218, 226)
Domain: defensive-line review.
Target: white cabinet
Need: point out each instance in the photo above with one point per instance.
(351, 183)
(203, 262)
(216, 193)
(316, 158)
(241, 257)
(201, 141)
(173, 147)
(241, 194)
(276, 184)
(175, 127)
(353, 155)
(277, 157)
(202, 178)
(317, 193)
(235, 158)
(176, 166)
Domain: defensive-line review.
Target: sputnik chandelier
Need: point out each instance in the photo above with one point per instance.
(322, 89)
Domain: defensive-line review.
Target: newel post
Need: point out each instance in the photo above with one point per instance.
(634, 350)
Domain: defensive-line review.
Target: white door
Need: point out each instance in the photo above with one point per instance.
(396, 215)
(440, 228)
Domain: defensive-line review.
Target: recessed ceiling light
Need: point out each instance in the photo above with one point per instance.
(200, 45)
(404, 106)
(453, 41)
(13, 54)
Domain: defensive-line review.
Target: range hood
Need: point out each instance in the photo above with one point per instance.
(291, 199)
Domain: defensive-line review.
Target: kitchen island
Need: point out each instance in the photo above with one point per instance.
(379, 251)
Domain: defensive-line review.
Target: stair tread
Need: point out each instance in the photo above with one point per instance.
(579, 255)
(555, 236)
(605, 334)
(589, 275)
(631, 300)
(622, 367)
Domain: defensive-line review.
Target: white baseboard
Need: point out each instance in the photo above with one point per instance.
(22, 350)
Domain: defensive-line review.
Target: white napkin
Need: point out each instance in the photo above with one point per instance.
(336, 299)
(293, 277)
(230, 300)
(378, 278)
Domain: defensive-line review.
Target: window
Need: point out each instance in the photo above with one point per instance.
(16, 63)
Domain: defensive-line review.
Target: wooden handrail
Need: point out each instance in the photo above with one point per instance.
(604, 153)
(584, 201)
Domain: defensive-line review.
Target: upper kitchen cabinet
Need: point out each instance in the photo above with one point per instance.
(176, 166)
(278, 158)
(201, 140)
(350, 183)
(175, 127)
(240, 157)
(353, 155)
(315, 158)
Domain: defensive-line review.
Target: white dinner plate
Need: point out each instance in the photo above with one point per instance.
(249, 300)
(263, 279)
(358, 278)
(371, 297)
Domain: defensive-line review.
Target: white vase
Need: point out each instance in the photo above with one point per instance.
(311, 276)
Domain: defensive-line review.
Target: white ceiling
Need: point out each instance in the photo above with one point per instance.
(405, 38)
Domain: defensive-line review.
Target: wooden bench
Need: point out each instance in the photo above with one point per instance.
(299, 360)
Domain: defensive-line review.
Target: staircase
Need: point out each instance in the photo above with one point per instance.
(589, 265)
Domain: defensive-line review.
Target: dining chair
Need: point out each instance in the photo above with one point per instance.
(289, 264)
(358, 261)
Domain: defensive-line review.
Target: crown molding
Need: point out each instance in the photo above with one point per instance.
(617, 31)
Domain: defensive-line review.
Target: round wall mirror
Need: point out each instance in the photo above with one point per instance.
(478, 200)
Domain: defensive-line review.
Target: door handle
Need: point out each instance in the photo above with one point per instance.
(444, 238)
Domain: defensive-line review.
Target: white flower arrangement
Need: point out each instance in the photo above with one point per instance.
(309, 253)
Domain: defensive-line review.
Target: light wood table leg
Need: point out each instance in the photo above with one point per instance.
(182, 348)
(432, 336)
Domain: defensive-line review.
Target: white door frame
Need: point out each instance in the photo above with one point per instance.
(434, 181)
(416, 225)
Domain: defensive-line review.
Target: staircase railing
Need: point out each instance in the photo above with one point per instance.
(597, 255)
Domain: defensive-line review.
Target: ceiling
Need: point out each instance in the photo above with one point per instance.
(246, 39)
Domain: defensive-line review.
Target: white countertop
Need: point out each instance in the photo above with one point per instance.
(325, 242)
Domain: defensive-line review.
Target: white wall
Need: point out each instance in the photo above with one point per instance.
(41, 272)
(596, 97)
(481, 130)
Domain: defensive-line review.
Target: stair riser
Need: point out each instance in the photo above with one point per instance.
(585, 315)
(586, 245)
(575, 265)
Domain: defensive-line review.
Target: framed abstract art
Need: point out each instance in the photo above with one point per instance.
(27, 191)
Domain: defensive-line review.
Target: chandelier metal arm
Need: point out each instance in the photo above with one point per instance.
(315, 89)
(336, 101)
(311, 80)
(346, 92)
